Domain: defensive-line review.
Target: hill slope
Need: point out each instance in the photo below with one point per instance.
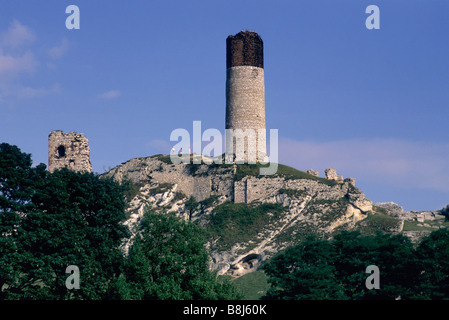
(248, 218)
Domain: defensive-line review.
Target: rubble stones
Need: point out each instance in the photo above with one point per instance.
(313, 172)
(331, 174)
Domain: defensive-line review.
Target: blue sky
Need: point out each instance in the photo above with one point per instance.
(371, 103)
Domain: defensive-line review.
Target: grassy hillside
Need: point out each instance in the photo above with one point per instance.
(287, 172)
(378, 220)
(240, 222)
(253, 285)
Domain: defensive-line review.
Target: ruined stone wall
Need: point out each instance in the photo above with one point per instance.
(69, 150)
(239, 191)
(251, 189)
(209, 181)
(244, 49)
(331, 174)
(202, 188)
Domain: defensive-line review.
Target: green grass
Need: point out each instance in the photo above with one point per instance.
(212, 200)
(292, 173)
(380, 210)
(232, 223)
(413, 225)
(244, 170)
(335, 208)
(130, 189)
(162, 157)
(284, 171)
(252, 285)
(378, 221)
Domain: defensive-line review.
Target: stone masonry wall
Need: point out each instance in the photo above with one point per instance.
(69, 150)
(244, 49)
(245, 108)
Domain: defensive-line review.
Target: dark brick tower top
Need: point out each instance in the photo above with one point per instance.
(244, 49)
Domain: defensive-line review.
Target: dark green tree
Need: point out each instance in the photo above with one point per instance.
(168, 260)
(445, 212)
(17, 187)
(51, 221)
(191, 205)
(335, 269)
(304, 272)
(394, 255)
(433, 254)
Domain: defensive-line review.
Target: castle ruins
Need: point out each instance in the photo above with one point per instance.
(70, 150)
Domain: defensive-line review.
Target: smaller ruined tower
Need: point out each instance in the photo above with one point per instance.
(245, 95)
(69, 150)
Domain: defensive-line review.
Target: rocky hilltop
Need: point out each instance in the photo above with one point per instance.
(247, 217)
(413, 224)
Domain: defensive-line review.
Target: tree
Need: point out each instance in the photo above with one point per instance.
(445, 212)
(304, 272)
(335, 269)
(394, 255)
(433, 253)
(17, 187)
(191, 205)
(168, 260)
(51, 221)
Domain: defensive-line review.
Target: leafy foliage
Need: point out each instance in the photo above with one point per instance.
(304, 272)
(169, 261)
(445, 212)
(191, 205)
(433, 252)
(335, 269)
(49, 221)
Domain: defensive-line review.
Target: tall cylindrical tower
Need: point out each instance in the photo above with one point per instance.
(245, 97)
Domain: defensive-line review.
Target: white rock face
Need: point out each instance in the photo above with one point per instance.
(331, 174)
(313, 172)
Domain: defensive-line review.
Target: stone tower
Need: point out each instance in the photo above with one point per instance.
(245, 96)
(69, 150)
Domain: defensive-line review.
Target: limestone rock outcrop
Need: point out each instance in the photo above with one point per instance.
(313, 172)
(331, 174)
(310, 204)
